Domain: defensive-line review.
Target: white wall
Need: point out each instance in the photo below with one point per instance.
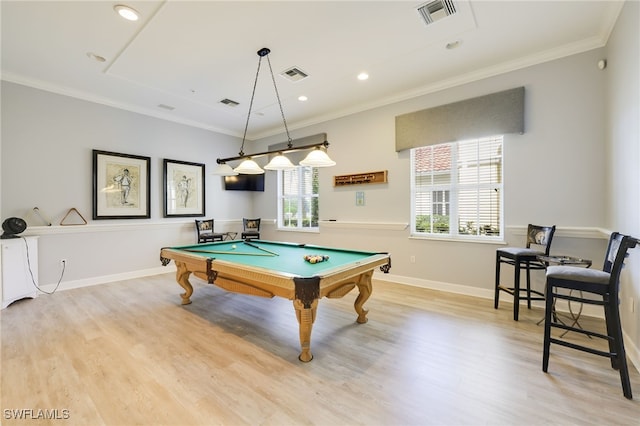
(623, 155)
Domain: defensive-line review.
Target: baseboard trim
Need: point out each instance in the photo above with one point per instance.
(105, 279)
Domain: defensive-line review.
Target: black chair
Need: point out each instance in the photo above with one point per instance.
(250, 229)
(604, 285)
(204, 230)
(527, 259)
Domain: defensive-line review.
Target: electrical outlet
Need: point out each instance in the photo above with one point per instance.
(412, 259)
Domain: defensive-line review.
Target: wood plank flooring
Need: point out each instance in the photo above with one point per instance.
(127, 353)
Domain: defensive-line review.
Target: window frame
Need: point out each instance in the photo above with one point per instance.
(454, 187)
(301, 196)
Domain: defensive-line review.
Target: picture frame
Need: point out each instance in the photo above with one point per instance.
(121, 186)
(184, 188)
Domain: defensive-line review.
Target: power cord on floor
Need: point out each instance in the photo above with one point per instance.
(33, 280)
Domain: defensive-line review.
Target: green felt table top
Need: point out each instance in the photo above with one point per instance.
(278, 256)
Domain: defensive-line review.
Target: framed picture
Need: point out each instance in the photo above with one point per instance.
(183, 188)
(121, 186)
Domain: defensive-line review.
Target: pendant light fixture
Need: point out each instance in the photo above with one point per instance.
(280, 161)
(223, 169)
(248, 167)
(317, 158)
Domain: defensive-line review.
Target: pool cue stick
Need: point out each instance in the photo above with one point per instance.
(37, 212)
(273, 253)
(227, 252)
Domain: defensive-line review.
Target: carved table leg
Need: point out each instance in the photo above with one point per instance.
(364, 285)
(306, 318)
(182, 276)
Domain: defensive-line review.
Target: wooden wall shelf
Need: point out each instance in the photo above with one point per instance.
(360, 178)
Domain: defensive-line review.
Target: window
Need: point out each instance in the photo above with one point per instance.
(298, 198)
(440, 203)
(457, 189)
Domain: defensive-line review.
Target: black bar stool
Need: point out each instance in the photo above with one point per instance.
(527, 259)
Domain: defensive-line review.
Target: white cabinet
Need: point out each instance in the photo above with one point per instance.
(19, 260)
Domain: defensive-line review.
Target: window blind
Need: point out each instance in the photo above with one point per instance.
(494, 114)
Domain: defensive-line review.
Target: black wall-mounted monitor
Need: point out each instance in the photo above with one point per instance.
(244, 183)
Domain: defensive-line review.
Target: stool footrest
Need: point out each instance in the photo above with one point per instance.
(583, 348)
(538, 295)
(580, 330)
(578, 299)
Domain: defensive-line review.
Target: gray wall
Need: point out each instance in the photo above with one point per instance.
(552, 173)
(47, 143)
(622, 196)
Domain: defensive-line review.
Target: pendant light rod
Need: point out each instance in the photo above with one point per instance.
(317, 158)
(265, 52)
(324, 144)
(262, 53)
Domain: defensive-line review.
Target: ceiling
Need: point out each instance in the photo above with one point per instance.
(190, 55)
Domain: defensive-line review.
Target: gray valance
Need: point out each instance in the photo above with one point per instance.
(494, 114)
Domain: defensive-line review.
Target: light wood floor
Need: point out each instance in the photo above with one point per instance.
(128, 353)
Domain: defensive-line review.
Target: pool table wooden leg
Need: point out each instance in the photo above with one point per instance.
(182, 276)
(364, 285)
(306, 318)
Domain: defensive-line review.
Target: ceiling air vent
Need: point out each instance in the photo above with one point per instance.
(436, 10)
(294, 74)
(229, 102)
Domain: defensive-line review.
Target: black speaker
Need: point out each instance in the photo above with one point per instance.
(12, 227)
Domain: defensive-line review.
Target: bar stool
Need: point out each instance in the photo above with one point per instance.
(527, 259)
(605, 285)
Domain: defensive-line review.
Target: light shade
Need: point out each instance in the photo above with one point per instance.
(249, 167)
(280, 162)
(317, 158)
(224, 170)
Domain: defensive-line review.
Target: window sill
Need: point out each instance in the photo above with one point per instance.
(458, 240)
(304, 230)
(392, 226)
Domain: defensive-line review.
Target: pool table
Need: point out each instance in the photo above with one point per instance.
(268, 269)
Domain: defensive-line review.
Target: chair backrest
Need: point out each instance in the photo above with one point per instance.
(204, 227)
(251, 224)
(617, 249)
(541, 236)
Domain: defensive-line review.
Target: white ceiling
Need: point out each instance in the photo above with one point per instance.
(191, 54)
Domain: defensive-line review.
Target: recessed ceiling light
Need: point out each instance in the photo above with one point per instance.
(127, 12)
(363, 76)
(302, 98)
